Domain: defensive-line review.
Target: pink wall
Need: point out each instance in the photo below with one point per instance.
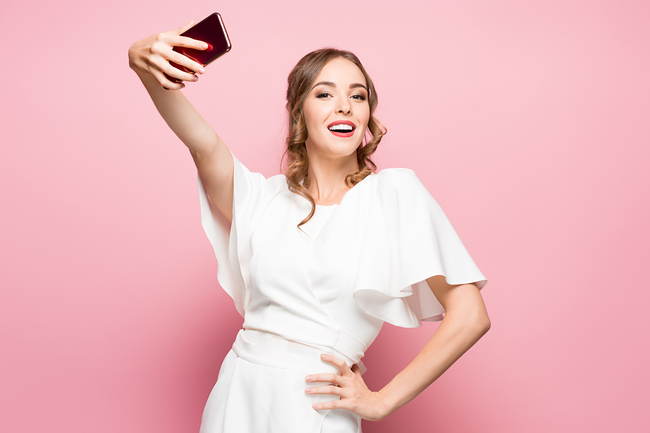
(528, 121)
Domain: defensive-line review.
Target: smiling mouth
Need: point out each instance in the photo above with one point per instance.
(345, 134)
(341, 127)
(344, 129)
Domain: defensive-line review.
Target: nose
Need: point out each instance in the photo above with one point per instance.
(344, 106)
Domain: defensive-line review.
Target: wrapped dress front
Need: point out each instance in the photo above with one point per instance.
(325, 288)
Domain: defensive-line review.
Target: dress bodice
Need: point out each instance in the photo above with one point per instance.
(334, 281)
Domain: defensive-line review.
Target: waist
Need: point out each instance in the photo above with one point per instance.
(274, 351)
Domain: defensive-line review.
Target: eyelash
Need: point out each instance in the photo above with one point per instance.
(361, 97)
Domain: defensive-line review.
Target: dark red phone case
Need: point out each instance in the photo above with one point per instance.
(210, 30)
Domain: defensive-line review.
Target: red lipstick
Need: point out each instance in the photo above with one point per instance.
(342, 128)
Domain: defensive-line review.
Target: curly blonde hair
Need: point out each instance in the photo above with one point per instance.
(300, 80)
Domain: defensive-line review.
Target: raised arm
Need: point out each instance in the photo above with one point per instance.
(149, 58)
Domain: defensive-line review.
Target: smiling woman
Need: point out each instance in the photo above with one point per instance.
(330, 87)
(341, 108)
(316, 259)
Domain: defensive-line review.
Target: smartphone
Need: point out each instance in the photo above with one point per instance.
(211, 31)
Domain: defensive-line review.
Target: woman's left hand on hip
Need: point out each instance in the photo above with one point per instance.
(350, 387)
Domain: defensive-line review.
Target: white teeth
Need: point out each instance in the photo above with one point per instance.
(340, 127)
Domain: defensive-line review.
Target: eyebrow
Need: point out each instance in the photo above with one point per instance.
(329, 83)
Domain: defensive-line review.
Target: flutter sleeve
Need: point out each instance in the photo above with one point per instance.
(252, 193)
(409, 240)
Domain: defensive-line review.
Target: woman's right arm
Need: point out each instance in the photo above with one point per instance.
(149, 58)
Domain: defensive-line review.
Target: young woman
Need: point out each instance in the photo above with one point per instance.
(318, 258)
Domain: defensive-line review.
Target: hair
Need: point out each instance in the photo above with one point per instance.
(300, 81)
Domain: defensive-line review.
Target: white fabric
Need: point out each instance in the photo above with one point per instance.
(327, 288)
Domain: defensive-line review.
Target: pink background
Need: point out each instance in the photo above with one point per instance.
(527, 121)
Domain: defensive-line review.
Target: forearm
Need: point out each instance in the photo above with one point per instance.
(181, 116)
(455, 335)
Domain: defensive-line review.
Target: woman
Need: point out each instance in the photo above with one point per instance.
(316, 259)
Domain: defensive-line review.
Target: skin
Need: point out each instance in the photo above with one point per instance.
(465, 322)
(331, 159)
(149, 58)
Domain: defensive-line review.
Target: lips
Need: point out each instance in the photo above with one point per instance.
(342, 128)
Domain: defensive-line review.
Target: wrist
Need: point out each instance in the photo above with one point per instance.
(136, 62)
(393, 397)
(387, 403)
(132, 56)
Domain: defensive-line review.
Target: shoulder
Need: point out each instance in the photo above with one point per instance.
(277, 183)
(398, 180)
(278, 179)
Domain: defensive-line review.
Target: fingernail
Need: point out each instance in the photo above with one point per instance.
(315, 406)
(308, 390)
(323, 356)
(201, 70)
(195, 78)
(204, 45)
(308, 378)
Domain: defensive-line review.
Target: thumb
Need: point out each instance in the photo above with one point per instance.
(186, 27)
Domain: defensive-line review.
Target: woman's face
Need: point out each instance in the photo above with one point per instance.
(336, 110)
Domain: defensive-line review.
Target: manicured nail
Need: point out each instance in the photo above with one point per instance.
(323, 356)
(204, 45)
(201, 70)
(315, 406)
(308, 389)
(308, 378)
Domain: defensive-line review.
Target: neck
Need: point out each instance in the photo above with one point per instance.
(327, 177)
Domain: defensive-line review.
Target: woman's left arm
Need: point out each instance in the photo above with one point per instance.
(465, 322)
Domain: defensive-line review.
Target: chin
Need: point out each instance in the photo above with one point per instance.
(334, 149)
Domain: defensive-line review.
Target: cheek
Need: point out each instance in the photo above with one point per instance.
(365, 116)
(312, 126)
(309, 120)
(312, 118)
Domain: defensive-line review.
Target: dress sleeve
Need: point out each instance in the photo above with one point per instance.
(413, 241)
(252, 193)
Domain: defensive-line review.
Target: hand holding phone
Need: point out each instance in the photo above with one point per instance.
(153, 56)
(211, 31)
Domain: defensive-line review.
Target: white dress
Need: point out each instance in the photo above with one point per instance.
(327, 288)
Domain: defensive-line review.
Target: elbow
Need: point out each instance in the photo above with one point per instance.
(482, 324)
(480, 318)
(478, 322)
(470, 315)
(486, 325)
(474, 324)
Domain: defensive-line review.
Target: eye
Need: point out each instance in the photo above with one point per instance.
(322, 95)
(359, 97)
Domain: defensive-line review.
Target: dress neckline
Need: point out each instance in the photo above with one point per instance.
(346, 194)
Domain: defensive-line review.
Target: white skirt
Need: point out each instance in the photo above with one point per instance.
(261, 389)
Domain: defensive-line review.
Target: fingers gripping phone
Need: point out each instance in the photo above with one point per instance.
(211, 31)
